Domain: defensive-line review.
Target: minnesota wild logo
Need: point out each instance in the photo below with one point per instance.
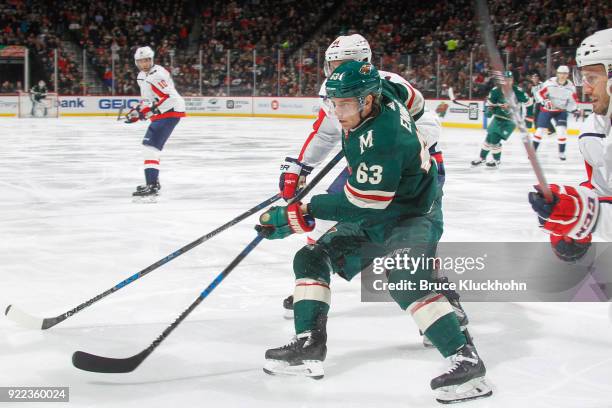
(442, 109)
(365, 69)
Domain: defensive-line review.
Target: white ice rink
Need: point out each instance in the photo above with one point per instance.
(68, 231)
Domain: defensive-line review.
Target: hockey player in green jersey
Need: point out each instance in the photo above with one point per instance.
(38, 94)
(501, 126)
(391, 201)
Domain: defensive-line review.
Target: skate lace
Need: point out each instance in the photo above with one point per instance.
(295, 340)
(456, 361)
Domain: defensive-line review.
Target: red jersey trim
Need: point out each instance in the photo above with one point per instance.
(166, 115)
(425, 303)
(368, 196)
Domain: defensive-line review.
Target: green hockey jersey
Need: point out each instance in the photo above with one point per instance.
(391, 172)
(496, 97)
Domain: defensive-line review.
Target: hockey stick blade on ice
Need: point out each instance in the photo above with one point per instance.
(91, 362)
(24, 319)
(486, 31)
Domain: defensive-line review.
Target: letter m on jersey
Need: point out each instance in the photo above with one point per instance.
(366, 141)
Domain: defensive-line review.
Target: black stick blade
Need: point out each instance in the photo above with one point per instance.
(99, 364)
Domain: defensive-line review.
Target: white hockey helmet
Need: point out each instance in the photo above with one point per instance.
(143, 53)
(41, 83)
(347, 47)
(596, 49)
(563, 69)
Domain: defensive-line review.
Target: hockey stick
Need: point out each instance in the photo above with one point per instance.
(119, 114)
(24, 319)
(91, 362)
(482, 11)
(451, 96)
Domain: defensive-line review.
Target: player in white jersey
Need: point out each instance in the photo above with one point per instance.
(163, 106)
(557, 96)
(577, 212)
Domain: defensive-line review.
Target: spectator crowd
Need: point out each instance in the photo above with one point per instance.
(266, 47)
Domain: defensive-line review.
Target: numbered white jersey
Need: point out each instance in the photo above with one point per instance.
(157, 87)
(596, 148)
(327, 131)
(562, 97)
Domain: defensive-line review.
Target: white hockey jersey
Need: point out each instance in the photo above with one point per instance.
(596, 148)
(561, 97)
(327, 131)
(535, 92)
(157, 87)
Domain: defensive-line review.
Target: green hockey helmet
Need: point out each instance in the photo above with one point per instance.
(353, 79)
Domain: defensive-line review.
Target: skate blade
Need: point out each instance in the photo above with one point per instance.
(471, 390)
(309, 368)
(144, 200)
(288, 314)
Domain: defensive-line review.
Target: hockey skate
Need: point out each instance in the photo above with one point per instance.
(464, 380)
(303, 356)
(493, 164)
(288, 307)
(562, 156)
(146, 194)
(143, 187)
(477, 162)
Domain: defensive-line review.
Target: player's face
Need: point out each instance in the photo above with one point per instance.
(349, 112)
(535, 79)
(594, 82)
(144, 64)
(562, 77)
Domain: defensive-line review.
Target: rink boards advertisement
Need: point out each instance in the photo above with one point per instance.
(466, 114)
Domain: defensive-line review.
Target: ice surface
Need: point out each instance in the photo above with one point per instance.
(68, 230)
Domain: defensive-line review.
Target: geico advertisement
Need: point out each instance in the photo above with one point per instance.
(96, 104)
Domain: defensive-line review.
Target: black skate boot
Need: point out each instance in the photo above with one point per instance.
(303, 356)
(493, 164)
(477, 162)
(143, 187)
(148, 194)
(288, 307)
(464, 381)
